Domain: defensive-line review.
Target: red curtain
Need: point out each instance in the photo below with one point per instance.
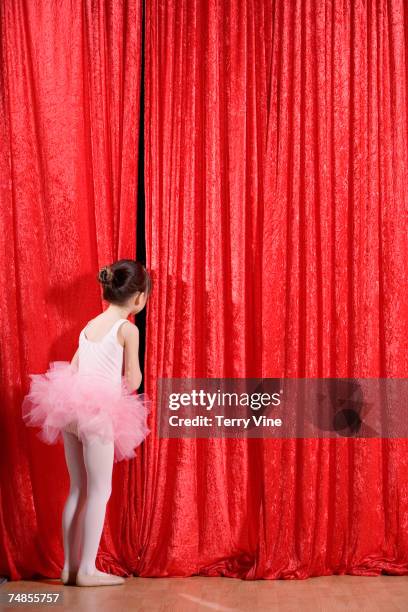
(276, 170)
(69, 117)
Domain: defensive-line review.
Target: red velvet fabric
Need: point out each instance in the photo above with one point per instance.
(69, 117)
(275, 171)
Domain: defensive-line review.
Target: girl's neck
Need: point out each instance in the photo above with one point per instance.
(117, 311)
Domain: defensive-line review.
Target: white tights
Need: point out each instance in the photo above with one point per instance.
(90, 470)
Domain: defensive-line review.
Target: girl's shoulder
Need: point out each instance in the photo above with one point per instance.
(129, 333)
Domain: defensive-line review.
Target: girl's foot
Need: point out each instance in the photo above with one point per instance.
(98, 578)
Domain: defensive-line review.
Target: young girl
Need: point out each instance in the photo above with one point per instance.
(90, 405)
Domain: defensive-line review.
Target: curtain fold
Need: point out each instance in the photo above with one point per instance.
(69, 117)
(276, 138)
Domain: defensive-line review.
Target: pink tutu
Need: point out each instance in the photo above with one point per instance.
(90, 406)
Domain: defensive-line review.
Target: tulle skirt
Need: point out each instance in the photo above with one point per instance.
(63, 399)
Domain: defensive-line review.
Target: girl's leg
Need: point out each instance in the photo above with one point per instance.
(98, 460)
(71, 516)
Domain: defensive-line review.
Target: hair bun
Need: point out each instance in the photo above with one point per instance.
(106, 275)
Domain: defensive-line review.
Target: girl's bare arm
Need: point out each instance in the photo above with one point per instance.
(133, 374)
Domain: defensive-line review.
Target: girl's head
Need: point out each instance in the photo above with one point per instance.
(126, 283)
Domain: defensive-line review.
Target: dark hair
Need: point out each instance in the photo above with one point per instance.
(123, 279)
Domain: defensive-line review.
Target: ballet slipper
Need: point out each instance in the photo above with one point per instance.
(68, 577)
(97, 580)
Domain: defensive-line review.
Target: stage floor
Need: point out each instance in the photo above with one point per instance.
(196, 594)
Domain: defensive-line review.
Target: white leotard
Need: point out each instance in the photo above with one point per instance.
(103, 357)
